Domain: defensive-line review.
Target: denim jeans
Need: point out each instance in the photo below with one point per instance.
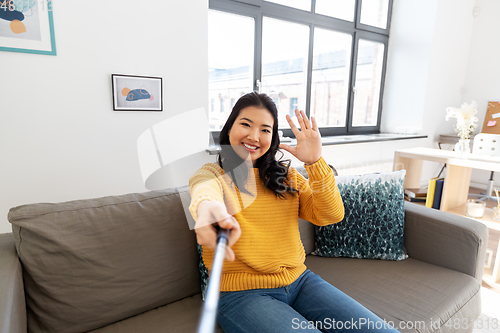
(309, 304)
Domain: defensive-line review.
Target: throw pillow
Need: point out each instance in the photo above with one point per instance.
(373, 224)
(203, 272)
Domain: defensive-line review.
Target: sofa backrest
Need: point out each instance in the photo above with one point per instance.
(306, 229)
(90, 263)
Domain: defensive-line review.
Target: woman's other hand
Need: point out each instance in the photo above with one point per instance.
(308, 149)
(210, 214)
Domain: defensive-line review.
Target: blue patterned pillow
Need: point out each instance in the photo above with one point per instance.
(203, 272)
(374, 219)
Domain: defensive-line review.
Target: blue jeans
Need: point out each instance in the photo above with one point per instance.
(309, 304)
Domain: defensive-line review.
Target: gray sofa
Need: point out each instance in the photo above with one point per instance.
(129, 264)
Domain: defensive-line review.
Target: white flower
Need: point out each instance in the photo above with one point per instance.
(466, 120)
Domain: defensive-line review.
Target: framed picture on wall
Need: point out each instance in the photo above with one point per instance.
(137, 93)
(27, 26)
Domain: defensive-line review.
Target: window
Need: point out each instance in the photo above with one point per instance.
(222, 105)
(342, 9)
(367, 86)
(294, 104)
(374, 13)
(284, 64)
(230, 60)
(330, 77)
(326, 57)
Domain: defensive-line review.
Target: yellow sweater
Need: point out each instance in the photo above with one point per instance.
(269, 253)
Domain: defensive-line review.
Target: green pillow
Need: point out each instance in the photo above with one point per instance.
(373, 224)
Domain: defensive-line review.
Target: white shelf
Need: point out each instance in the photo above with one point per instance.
(487, 218)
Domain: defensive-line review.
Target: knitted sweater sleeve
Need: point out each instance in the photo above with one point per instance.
(319, 197)
(205, 184)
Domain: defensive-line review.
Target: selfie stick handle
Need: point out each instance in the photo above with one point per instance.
(209, 315)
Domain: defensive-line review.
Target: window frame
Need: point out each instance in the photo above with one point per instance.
(258, 9)
(366, 129)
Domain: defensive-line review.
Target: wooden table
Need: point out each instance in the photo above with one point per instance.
(456, 185)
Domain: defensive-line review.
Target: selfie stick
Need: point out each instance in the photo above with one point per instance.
(209, 314)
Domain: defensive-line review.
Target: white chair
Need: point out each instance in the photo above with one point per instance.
(487, 144)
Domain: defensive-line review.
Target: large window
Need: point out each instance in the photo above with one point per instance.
(326, 57)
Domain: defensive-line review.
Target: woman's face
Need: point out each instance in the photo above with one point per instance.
(252, 132)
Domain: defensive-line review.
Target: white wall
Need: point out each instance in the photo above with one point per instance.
(448, 65)
(468, 71)
(59, 136)
(483, 73)
(482, 82)
(410, 47)
(427, 64)
(441, 54)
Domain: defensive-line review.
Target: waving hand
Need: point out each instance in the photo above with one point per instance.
(308, 149)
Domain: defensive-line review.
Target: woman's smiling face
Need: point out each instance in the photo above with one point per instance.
(252, 133)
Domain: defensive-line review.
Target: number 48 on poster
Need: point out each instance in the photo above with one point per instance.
(23, 5)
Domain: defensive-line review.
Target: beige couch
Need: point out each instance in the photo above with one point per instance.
(129, 264)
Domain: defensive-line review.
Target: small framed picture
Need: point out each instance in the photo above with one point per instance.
(137, 93)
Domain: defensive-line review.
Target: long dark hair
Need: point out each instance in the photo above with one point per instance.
(272, 172)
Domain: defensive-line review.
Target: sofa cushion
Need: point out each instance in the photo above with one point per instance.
(373, 224)
(180, 316)
(89, 263)
(410, 291)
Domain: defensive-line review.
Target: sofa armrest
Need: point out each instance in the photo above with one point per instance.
(446, 240)
(12, 301)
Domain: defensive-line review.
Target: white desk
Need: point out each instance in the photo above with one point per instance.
(456, 186)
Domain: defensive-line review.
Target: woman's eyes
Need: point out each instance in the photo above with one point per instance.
(248, 125)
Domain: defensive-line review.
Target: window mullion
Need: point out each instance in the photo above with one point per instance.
(352, 82)
(357, 13)
(309, 70)
(258, 53)
(310, 63)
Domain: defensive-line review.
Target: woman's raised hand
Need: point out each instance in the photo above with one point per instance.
(209, 214)
(308, 149)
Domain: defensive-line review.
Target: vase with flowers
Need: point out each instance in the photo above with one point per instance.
(465, 126)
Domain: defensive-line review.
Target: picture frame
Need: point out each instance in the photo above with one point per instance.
(27, 26)
(137, 93)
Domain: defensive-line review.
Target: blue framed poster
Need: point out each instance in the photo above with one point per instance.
(27, 26)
